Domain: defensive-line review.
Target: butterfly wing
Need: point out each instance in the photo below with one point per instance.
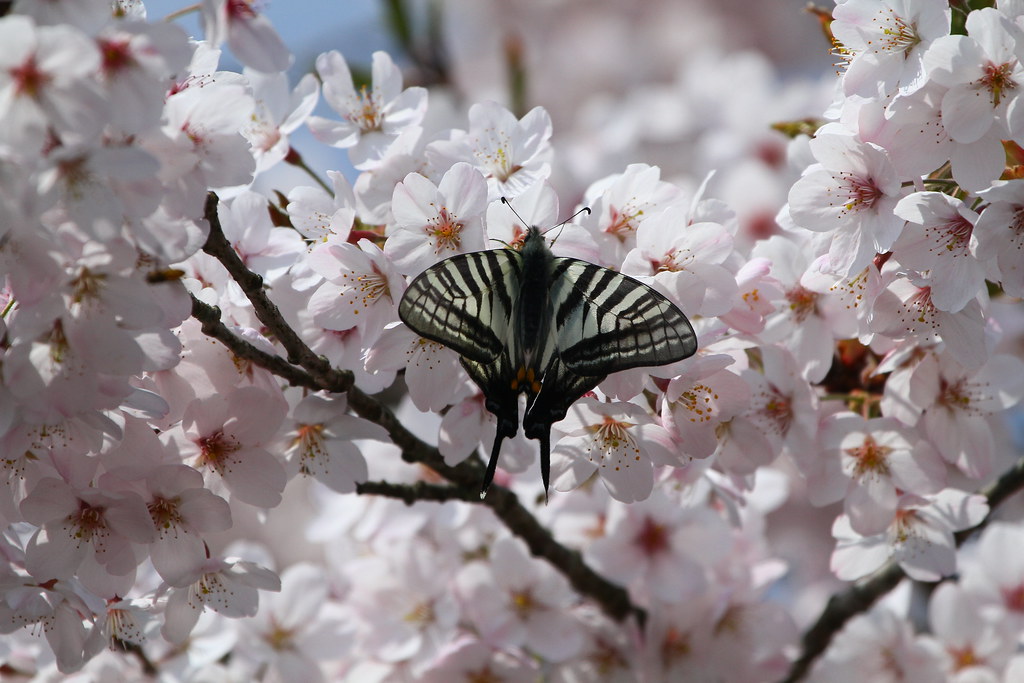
(501, 397)
(560, 389)
(465, 302)
(605, 321)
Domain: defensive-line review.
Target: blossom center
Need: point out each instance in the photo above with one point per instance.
(955, 236)
(240, 9)
(1013, 598)
(89, 521)
(802, 301)
(116, 56)
(899, 36)
(367, 112)
(698, 400)
(446, 230)
(523, 603)
(870, 457)
(216, 450)
(622, 224)
(28, 78)
(997, 79)
(309, 440)
(164, 513)
(421, 614)
(652, 538)
(857, 193)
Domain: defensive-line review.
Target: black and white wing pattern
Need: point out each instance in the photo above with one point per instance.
(607, 322)
(552, 328)
(465, 302)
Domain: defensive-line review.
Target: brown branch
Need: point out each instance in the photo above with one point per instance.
(861, 596)
(315, 372)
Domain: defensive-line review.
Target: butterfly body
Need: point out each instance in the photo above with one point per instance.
(551, 327)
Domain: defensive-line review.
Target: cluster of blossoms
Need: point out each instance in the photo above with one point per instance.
(174, 508)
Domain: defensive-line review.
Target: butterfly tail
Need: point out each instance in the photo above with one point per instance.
(492, 464)
(545, 459)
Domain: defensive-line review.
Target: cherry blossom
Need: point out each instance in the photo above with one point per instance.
(867, 463)
(619, 442)
(435, 222)
(880, 645)
(659, 549)
(362, 288)
(227, 586)
(512, 154)
(970, 645)
(46, 80)
(320, 216)
(938, 239)
(279, 113)
(987, 59)
(371, 119)
(320, 445)
(248, 33)
(515, 601)
(851, 195)
(887, 40)
(226, 436)
(919, 537)
(1000, 234)
(851, 270)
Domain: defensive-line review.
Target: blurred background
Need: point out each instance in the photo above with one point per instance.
(690, 86)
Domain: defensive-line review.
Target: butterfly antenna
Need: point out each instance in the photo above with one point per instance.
(506, 202)
(562, 224)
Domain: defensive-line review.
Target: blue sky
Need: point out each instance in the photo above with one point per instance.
(308, 27)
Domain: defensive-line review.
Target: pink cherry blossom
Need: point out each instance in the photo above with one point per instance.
(986, 61)
(279, 113)
(248, 33)
(937, 239)
(227, 586)
(512, 154)
(320, 444)
(867, 463)
(619, 203)
(999, 232)
(47, 78)
(182, 511)
(362, 288)
(320, 216)
(371, 119)
(879, 645)
(659, 549)
(227, 435)
(919, 537)
(887, 40)
(516, 601)
(620, 442)
(849, 194)
(435, 222)
(968, 644)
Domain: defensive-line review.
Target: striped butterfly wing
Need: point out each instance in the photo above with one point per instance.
(465, 302)
(560, 389)
(501, 397)
(602, 322)
(606, 321)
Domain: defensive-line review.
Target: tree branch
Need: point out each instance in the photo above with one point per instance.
(861, 596)
(316, 373)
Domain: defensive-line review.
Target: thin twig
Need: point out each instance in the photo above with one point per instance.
(861, 596)
(315, 372)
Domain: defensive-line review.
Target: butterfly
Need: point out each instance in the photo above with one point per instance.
(527, 321)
